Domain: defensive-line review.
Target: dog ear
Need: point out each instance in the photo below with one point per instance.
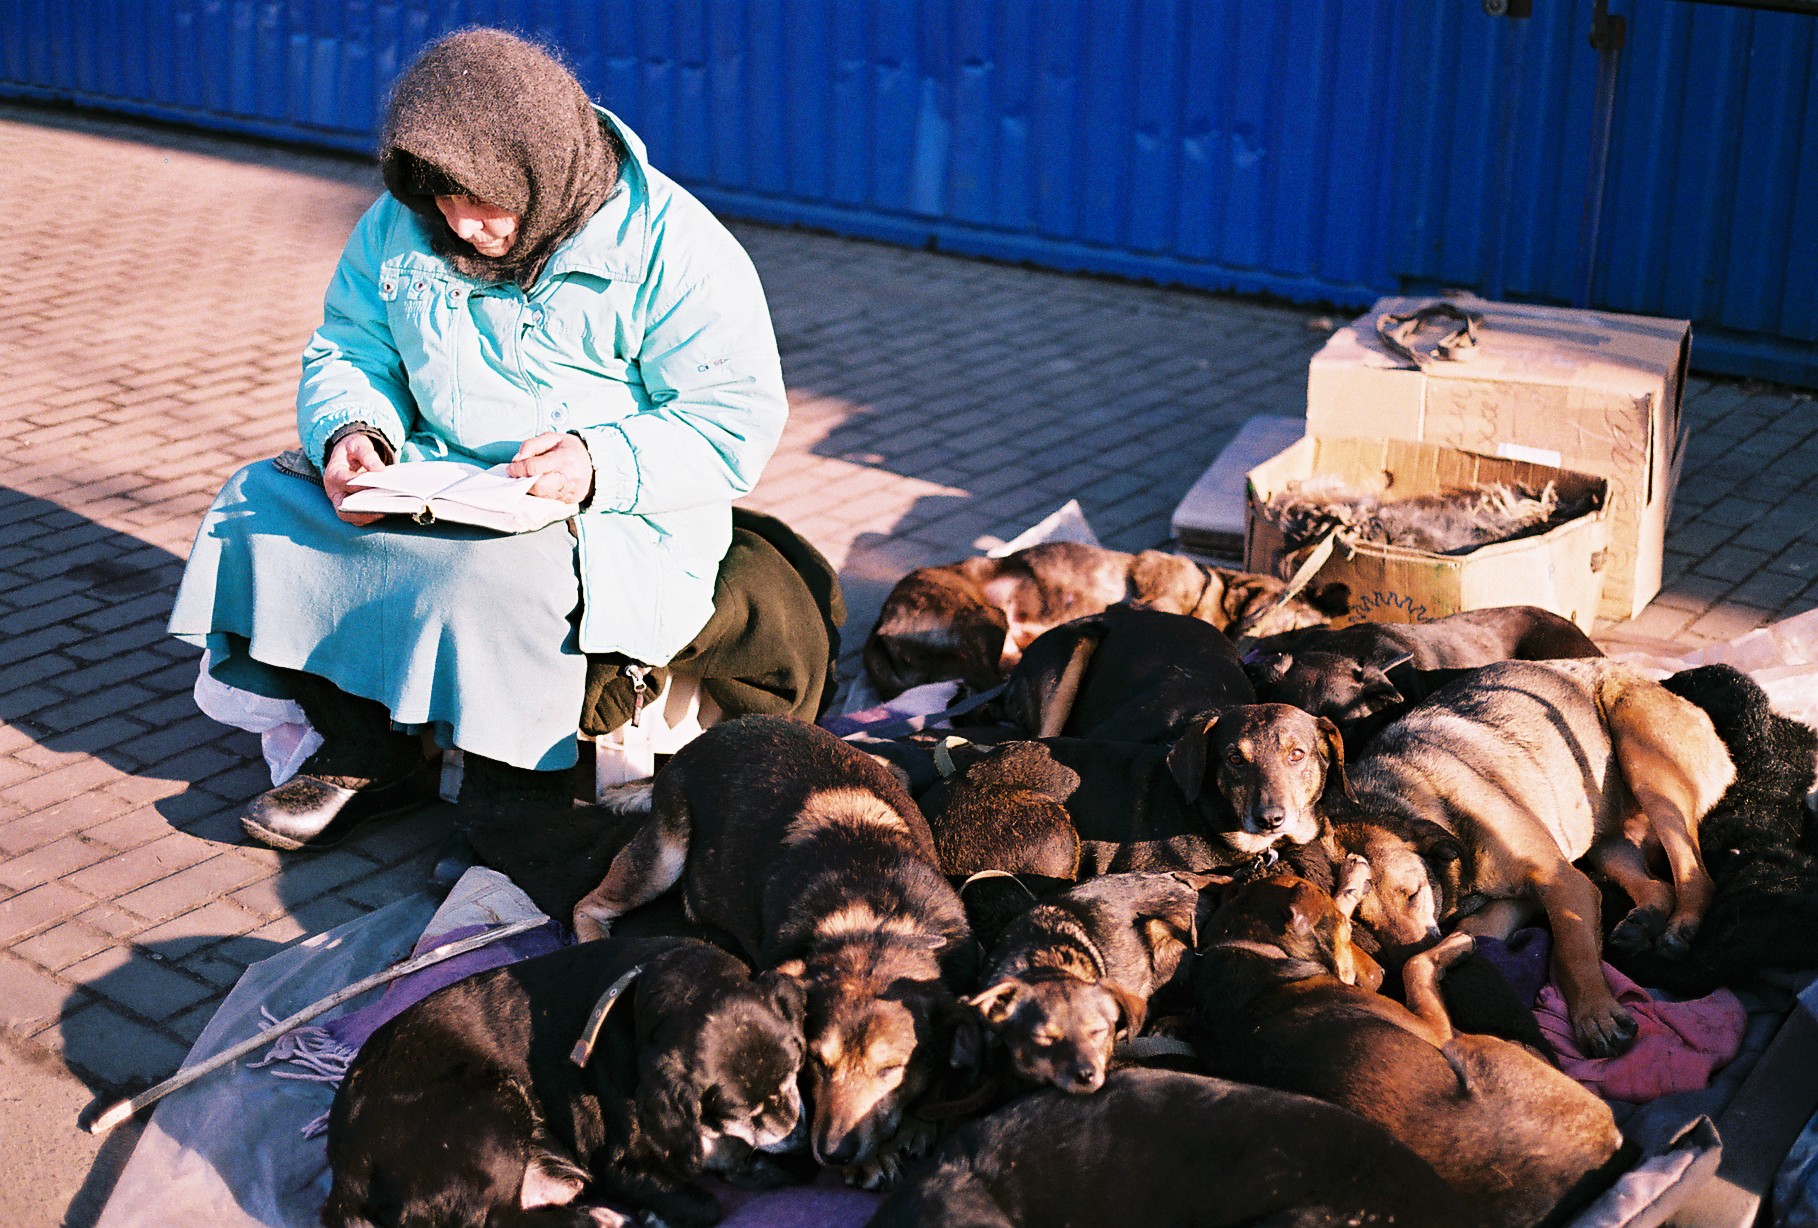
(788, 993)
(794, 969)
(1332, 600)
(1267, 668)
(1131, 1010)
(968, 1049)
(1187, 759)
(669, 1108)
(994, 1004)
(1335, 758)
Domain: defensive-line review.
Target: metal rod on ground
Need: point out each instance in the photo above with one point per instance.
(118, 1112)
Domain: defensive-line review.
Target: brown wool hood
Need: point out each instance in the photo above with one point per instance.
(486, 114)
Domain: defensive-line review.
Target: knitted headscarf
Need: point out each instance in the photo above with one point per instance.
(485, 114)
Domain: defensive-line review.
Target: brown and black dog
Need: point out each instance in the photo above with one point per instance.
(1366, 674)
(1235, 786)
(971, 620)
(1532, 766)
(811, 854)
(1282, 998)
(1074, 973)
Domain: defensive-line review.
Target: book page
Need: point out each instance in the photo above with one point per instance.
(492, 489)
(420, 478)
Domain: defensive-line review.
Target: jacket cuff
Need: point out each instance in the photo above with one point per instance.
(327, 427)
(387, 453)
(615, 469)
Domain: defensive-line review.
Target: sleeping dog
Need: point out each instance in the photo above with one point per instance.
(474, 1107)
(1283, 999)
(1129, 674)
(971, 620)
(1156, 1149)
(1365, 675)
(1531, 766)
(813, 857)
(1072, 974)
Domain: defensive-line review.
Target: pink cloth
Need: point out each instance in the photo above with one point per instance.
(1679, 1045)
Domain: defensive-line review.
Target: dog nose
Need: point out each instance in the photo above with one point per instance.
(1270, 818)
(845, 1153)
(1087, 1078)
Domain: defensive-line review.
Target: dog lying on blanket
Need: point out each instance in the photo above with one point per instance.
(814, 858)
(971, 620)
(1283, 999)
(1156, 1149)
(1531, 766)
(470, 1107)
(1074, 973)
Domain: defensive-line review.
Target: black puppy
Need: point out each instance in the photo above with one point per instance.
(1072, 974)
(1128, 674)
(1157, 1149)
(471, 1107)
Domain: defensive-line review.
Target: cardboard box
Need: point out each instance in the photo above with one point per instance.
(1588, 391)
(1560, 570)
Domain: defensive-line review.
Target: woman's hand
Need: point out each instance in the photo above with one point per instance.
(560, 464)
(353, 455)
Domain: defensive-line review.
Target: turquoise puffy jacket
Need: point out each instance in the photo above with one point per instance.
(646, 334)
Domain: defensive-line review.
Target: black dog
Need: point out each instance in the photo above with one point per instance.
(471, 1108)
(1128, 674)
(1156, 1149)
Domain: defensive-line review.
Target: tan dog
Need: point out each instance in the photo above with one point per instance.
(814, 858)
(971, 620)
(1283, 999)
(1533, 765)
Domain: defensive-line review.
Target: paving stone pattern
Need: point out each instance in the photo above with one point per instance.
(159, 288)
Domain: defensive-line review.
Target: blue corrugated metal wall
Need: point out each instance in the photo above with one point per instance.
(1315, 149)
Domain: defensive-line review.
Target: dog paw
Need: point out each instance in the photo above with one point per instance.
(1638, 931)
(911, 1141)
(1604, 1032)
(1450, 950)
(1676, 943)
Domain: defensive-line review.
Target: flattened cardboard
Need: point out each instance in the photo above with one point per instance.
(1560, 570)
(1594, 392)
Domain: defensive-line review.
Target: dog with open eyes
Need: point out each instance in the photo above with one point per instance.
(813, 856)
(611, 1072)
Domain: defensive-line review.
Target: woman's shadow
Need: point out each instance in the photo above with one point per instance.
(92, 678)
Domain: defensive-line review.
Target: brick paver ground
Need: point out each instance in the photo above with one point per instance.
(159, 286)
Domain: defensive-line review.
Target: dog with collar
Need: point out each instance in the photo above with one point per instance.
(1283, 998)
(1075, 973)
(972, 620)
(812, 855)
(502, 1100)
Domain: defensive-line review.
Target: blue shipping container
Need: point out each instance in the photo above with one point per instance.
(1320, 150)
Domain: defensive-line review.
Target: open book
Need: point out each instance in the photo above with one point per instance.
(428, 491)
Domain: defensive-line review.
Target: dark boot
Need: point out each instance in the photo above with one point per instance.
(364, 770)
(491, 790)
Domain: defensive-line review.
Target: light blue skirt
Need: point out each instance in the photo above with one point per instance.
(460, 630)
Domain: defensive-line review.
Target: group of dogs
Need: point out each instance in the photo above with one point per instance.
(1120, 952)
